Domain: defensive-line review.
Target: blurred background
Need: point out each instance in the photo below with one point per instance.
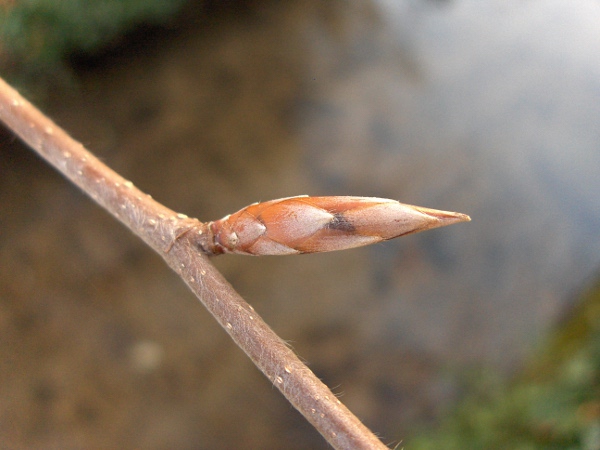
(479, 335)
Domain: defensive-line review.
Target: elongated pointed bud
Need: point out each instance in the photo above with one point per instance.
(321, 224)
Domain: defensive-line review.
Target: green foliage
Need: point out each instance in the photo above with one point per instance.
(556, 405)
(36, 35)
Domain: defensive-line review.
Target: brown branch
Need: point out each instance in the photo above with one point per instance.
(179, 240)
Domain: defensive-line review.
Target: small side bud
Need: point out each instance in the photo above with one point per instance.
(321, 224)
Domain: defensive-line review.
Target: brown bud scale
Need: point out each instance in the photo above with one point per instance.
(321, 224)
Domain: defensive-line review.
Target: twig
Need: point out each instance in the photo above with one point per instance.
(179, 240)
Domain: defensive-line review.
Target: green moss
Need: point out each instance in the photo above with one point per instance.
(554, 405)
(37, 35)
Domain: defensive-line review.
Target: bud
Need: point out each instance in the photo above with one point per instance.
(321, 224)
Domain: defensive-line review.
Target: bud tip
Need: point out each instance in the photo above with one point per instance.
(443, 218)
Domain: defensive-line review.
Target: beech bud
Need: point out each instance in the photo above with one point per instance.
(321, 224)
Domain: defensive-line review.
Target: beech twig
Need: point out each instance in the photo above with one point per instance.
(180, 240)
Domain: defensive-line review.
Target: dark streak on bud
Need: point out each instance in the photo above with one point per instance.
(339, 222)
